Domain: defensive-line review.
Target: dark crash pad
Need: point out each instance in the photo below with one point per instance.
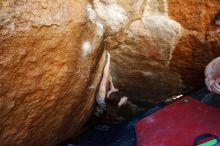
(178, 124)
(103, 134)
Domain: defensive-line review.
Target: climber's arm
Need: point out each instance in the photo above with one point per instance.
(103, 84)
(211, 67)
(112, 87)
(216, 69)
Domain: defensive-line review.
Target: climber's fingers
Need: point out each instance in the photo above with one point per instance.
(216, 88)
(209, 82)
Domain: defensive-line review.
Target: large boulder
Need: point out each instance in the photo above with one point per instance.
(49, 70)
(51, 59)
(158, 47)
(196, 48)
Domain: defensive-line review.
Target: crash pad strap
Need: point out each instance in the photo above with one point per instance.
(212, 141)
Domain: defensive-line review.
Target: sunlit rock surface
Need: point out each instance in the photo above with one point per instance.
(49, 56)
(51, 59)
(159, 46)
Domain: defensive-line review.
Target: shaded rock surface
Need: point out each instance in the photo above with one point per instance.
(194, 51)
(49, 70)
(159, 47)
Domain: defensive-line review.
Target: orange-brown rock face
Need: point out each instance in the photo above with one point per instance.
(51, 59)
(194, 51)
(49, 54)
(158, 47)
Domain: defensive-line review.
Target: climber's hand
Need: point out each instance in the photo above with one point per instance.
(213, 69)
(212, 73)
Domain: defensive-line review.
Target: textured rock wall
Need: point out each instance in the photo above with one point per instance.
(49, 70)
(51, 57)
(193, 52)
(158, 46)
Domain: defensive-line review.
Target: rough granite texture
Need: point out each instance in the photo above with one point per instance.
(51, 59)
(49, 54)
(159, 48)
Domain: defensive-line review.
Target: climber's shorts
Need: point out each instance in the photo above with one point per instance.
(101, 104)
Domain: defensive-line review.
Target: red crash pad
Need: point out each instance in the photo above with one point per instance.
(178, 124)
